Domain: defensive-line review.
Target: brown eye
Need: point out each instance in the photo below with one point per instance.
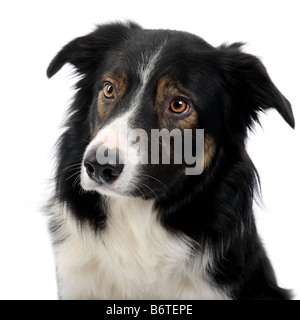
(179, 106)
(108, 90)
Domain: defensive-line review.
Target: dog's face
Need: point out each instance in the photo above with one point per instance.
(149, 85)
(139, 82)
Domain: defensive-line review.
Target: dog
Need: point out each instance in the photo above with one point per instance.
(148, 230)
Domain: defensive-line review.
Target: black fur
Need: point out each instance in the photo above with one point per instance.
(215, 208)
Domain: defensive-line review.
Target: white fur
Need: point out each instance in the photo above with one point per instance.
(118, 131)
(133, 257)
(145, 72)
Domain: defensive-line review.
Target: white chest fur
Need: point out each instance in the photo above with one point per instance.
(134, 257)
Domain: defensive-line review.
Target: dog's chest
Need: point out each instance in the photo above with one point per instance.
(134, 257)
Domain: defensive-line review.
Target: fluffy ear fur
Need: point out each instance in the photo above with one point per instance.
(83, 52)
(250, 89)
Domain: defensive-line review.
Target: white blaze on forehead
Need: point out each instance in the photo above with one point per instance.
(114, 134)
(145, 72)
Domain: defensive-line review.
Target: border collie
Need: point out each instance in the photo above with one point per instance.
(127, 229)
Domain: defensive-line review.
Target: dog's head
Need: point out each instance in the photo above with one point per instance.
(137, 85)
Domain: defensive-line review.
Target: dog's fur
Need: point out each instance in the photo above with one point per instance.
(156, 233)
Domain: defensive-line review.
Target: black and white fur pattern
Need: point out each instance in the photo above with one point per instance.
(155, 233)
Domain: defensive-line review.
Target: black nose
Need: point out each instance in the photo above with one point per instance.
(101, 173)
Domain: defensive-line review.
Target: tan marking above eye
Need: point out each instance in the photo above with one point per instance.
(209, 150)
(113, 89)
(174, 105)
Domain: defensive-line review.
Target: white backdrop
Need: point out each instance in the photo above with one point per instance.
(32, 108)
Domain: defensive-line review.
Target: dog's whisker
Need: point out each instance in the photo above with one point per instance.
(137, 187)
(76, 181)
(146, 175)
(77, 172)
(75, 168)
(76, 165)
(150, 190)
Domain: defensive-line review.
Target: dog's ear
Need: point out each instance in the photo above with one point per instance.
(85, 52)
(250, 88)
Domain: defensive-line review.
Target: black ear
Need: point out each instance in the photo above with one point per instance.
(85, 53)
(250, 87)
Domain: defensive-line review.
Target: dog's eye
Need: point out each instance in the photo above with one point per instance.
(179, 106)
(108, 90)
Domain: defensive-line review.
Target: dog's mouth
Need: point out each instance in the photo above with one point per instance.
(116, 180)
(103, 178)
(125, 180)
